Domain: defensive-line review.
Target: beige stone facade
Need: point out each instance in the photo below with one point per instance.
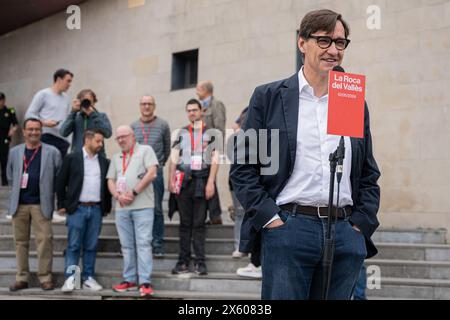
(124, 49)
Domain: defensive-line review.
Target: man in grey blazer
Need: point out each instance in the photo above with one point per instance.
(32, 169)
(214, 117)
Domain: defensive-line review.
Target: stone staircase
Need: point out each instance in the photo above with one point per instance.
(414, 264)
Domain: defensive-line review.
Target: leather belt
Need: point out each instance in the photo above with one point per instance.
(321, 212)
(89, 204)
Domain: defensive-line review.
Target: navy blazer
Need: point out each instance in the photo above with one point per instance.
(275, 106)
(70, 183)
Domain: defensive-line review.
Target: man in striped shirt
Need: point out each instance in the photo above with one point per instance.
(155, 132)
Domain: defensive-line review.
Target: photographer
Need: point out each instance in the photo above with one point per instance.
(85, 116)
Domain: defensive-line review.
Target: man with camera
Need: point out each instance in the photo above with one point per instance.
(85, 116)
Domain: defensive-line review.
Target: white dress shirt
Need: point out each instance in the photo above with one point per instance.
(310, 181)
(90, 192)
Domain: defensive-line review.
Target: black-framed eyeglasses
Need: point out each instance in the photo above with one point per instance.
(325, 42)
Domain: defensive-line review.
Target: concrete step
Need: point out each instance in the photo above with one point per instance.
(112, 244)
(225, 246)
(423, 289)
(226, 264)
(422, 236)
(38, 294)
(413, 251)
(436, 270)
(217, 283)
(114, 261)
(211, 283)
(382, 236)
(171, 229)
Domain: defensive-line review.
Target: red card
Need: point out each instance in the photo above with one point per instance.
(346, 96)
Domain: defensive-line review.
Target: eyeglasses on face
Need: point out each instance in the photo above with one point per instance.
(122, 137)
(324, 42)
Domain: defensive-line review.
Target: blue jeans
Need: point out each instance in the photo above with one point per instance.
(292, 259)
(84, 227)
(158, 225)
(135, 234)
(360, 290)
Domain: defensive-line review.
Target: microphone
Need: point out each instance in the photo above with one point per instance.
(338, 69)
(340, 154)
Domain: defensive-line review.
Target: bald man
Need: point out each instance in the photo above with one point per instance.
(129, 180)
(214, 112)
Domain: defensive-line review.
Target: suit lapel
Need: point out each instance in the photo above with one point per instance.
(44, 157)
(290, 102)
(20, 160)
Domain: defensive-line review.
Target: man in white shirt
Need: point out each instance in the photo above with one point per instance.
(286, 212)
(83, 195)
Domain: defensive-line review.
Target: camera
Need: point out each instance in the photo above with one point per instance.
(85, 103)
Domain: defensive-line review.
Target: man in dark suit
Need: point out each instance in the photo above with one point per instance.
(286, 211)
(83, 194)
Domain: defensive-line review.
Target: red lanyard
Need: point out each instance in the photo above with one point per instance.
(199, 138)
(144, 133)
(124, 158)
(26, 163)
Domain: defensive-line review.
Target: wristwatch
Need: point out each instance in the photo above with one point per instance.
(135, 193)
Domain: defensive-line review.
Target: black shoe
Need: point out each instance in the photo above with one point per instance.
(214, 221)
(18, 285)
(200, 269)
(180, 267)
(4, 183)
(158, 253)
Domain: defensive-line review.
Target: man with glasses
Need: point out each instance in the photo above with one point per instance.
(192, 174)
(32, 170)
(129, 177)
(288, 209)
(154, 131)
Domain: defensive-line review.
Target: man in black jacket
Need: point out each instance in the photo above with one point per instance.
(286, 200)
(83, 195)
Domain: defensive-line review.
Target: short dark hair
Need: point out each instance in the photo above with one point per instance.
(194, 101)
(61, 73)
(321, 20)
(84, 92)
(31, 120)
(2, 96)
(90, 134)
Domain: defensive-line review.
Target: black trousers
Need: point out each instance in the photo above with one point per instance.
(213, 205)
(4, 150)
(192, 224)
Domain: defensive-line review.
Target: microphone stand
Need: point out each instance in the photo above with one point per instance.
(336, 164)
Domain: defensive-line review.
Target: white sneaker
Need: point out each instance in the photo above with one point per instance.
(57, 218)
(69, 284)
(237, 254)
(9, 217)
(91, 284)
(250, 271)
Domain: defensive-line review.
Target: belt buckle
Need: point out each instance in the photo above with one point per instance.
(320, 216)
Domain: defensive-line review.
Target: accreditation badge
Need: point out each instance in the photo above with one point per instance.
(196, 162)
(24, 181)
(121, 184)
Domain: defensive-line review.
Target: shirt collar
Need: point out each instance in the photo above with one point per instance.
(305, 88)
(86, 155)
(206, 102)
